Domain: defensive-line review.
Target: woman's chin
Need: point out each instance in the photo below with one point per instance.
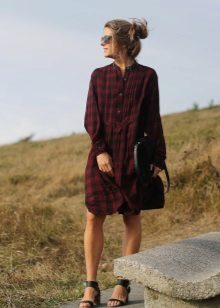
(107, 55)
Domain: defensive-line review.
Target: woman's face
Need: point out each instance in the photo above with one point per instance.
(110, 47)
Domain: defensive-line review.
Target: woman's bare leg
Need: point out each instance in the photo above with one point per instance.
(131, 244)
(132, 235)
(93, 246)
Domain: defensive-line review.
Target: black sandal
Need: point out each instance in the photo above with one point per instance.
(97, 299)
(124, 283)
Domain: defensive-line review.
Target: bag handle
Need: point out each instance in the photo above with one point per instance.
(167, 177)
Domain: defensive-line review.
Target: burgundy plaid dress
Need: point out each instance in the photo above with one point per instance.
(119, 110)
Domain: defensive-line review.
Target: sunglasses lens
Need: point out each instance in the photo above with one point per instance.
(106, 39)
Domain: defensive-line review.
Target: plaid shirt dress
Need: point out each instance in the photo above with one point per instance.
(119, 110)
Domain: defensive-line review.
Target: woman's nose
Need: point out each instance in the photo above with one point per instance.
(102, 43)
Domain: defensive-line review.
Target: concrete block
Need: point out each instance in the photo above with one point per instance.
(187, 269)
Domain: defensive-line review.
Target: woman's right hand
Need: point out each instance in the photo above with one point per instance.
(104, 161)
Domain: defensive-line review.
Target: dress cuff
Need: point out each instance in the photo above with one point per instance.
(99, 147)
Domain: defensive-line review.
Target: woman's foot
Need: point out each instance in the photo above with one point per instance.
(120, 292)
(90, 294)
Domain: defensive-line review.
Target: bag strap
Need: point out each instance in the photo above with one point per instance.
(167, 177)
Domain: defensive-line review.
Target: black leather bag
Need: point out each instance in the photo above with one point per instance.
(151, 188)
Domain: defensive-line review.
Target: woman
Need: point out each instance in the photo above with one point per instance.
(122, 105)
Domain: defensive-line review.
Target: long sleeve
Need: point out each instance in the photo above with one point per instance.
(153, 126)
(92, 121)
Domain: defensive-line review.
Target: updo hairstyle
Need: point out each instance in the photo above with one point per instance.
(128, 34)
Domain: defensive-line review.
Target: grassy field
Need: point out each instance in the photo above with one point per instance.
(42, 209)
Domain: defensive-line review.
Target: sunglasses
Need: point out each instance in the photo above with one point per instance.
(106, 39)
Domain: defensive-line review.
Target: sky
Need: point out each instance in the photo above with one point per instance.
(49, 48)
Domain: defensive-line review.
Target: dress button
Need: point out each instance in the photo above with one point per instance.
(118, 111)
(125, 78)
(120, 93)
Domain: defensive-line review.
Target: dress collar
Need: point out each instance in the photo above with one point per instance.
(129, 68)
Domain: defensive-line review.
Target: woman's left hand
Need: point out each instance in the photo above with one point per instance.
(157, 170)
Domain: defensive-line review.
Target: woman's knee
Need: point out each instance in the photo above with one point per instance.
(94, 219)
(132, 219)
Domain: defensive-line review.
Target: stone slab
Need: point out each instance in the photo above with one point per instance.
(187, 269)
(154, 299)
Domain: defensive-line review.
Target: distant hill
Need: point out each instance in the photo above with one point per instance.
(42, 210)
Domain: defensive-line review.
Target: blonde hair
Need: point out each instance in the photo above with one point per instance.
(128, 34)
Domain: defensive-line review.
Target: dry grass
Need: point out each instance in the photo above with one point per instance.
(42, 208)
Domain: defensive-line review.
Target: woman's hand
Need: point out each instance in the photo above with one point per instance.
(104, 161)
(156, 169)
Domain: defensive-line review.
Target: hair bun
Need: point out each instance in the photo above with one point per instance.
(138, 29)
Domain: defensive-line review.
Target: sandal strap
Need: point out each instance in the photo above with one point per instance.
(90, 283)
(93, 284)
(123, 282)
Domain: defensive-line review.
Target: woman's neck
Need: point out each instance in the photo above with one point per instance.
(124, 62)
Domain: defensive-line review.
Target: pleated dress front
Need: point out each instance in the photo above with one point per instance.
(119, 110)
